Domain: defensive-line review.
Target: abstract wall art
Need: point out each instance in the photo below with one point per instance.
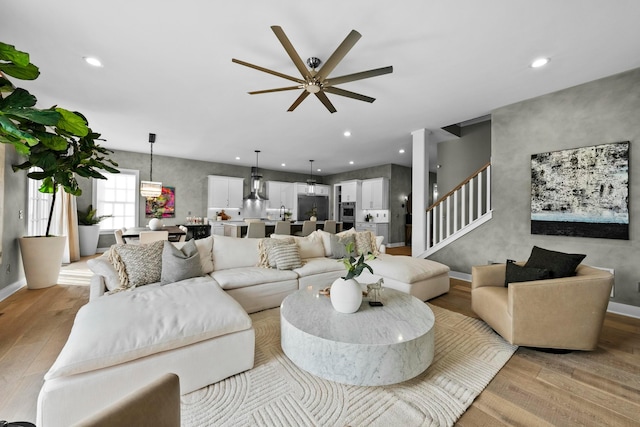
(163, 206)
(582, 192)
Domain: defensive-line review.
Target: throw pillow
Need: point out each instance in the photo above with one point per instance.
(517, 273)
(205, 249)
(339, 245)
(286, 256)
(364, 245)
(180, 264)
(142, 264)
(559, 264)
(264, 247)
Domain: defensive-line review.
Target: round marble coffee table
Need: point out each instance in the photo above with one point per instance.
(373, 346)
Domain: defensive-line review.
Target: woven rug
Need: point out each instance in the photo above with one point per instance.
(468, 354)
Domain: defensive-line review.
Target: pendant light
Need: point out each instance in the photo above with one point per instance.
(256, 182)
(311, 183)
(151, 188)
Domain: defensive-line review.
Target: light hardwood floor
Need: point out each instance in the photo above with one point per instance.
(600, 388)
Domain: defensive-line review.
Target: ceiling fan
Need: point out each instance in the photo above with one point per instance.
(318, 82)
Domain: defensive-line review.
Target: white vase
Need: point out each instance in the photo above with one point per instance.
(155, 224)
(346, 295)
(41, 258)
(313, 218)
(88, 236)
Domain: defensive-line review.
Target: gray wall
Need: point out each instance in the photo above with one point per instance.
(15, 198)
(598, 112)
(461, 157)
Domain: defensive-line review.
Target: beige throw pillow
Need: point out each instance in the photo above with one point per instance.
(286, 256)
(264, 247)
(137, 265)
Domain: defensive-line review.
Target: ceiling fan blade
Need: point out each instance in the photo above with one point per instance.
(323, 98)
(337, 56)
(358, 76)
(291, 51)
(348, 94)
(297, 102)
(266, 70)
(280, 89)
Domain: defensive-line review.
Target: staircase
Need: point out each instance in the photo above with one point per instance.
(460, 211)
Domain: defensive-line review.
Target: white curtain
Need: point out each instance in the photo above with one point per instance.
(65, 223)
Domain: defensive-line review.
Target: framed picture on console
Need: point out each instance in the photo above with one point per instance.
(582, 192)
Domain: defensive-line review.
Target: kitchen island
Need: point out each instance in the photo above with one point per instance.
(239, 228)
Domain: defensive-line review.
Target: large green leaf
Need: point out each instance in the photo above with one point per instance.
(7, 127)
(21, 147)
(52, 141)
(72, 122)
(10, 53)
(19, 98)
(27, 72)
(43, 117)
(5, 85)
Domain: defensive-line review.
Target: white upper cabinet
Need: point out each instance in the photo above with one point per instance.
(375, 193)
(280, 194)
(225, 192)
(349, 191)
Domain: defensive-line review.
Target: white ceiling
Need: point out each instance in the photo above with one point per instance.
(168, 70)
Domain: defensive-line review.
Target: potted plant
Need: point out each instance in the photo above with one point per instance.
(313, 214)
(58, 142)
(89, 230)
(346, 292)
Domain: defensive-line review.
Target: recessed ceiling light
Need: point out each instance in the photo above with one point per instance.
(318, 170)
(347, 133)
(283, 164)
(93, 61)
(350, 162)
(237, 157)
(540, 62)
(401, 151)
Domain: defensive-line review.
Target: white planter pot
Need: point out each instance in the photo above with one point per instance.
(346, 295)
(313, 218)
(88, 236)
(155, 224)
(41, 259)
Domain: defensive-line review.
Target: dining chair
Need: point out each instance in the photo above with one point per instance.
(256, 229)
(119, 238)
(282, 227)
(153, 236)
(308, 227)
(330, 226)
(183, 238)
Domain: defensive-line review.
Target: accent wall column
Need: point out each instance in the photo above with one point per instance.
(420, 190)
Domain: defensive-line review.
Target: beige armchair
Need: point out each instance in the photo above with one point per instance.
(565, 313)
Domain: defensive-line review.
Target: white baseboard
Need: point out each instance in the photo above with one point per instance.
(7, 291)
(614, 307)
(395, 245)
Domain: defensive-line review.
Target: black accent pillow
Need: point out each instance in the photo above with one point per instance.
(559, 264)
(517, 273)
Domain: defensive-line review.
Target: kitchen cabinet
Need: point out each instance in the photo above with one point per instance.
(225, 192)
(349, 191)
(375, 194)
(280, 194)
(378, 228)
(322, 190)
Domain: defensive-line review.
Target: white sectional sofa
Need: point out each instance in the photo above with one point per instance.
(197, 328)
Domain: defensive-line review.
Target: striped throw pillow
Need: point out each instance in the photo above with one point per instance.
(286, 257)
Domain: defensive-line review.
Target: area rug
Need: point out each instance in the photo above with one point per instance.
(468, 354)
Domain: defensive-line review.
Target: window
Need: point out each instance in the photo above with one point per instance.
(38, 210)
(117, 196)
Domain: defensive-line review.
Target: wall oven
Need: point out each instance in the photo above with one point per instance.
(347, 215)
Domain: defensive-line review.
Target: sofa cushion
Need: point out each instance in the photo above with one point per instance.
(313, 266)
(131, 325)
(180, 264)
(339, 245)
(103, 267)
(248, 276)
(286, 257)
(326, 241)
(137, 265)
(365, 241)
(205, 249)
(264, 248)
(310, 246)
(559, 264)
(405, 268)
(233, 252)
(518, 273)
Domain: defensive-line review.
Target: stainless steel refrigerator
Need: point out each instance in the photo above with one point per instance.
(306, 204)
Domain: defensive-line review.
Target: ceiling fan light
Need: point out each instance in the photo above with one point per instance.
(312, 87)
